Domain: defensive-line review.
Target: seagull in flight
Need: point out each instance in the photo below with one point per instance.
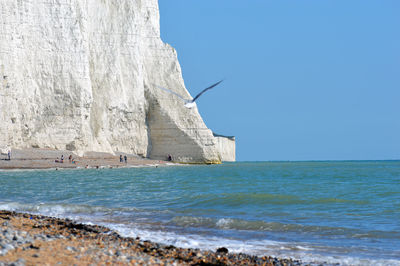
(190, 103)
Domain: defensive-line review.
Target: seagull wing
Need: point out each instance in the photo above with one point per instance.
(206, 89)
(176, 94)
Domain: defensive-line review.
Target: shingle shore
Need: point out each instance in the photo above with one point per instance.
(27, 239)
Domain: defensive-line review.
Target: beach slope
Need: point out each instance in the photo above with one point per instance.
(27, 239)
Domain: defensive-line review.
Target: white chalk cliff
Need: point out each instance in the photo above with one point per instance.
(79, 75)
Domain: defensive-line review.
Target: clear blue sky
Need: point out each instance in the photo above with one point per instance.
(305, 79)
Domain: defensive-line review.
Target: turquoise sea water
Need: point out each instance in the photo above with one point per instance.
(346, 212)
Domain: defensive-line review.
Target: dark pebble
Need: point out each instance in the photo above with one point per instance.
(222, 250)
(33, 247)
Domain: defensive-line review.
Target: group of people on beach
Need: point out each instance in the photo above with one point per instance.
(122, 159)
(61, 160)
(125, 159)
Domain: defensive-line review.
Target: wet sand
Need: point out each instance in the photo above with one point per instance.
(39, 240)
(46, 159)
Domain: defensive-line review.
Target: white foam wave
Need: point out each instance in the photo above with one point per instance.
(50, 209)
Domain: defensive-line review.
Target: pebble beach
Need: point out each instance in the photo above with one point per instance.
(27, 239)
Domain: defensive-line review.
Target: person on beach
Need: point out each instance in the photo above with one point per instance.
(126, 159)
(70, 158)
(62, 158)
(169, 157)
(9, 155)
(120, 158)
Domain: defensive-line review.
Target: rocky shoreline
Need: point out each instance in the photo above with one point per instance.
(27, 239)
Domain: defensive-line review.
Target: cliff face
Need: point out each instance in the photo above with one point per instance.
(227, 148)
(80, 74)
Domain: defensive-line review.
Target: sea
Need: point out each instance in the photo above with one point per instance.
(345, 212)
